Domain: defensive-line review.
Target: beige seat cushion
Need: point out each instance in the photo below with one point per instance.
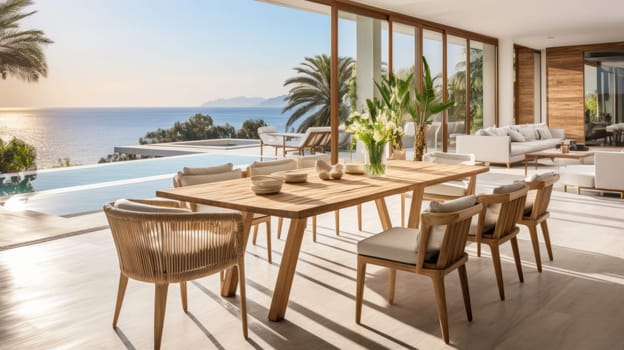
(202, 208)
(190, 180)
(450, 188)
(130, 205)
(396, 244)
(268, 168)
(209, 170)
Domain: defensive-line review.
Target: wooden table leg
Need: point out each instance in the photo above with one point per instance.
(230, 282)
(384, 216)
(281, 293)
(526, 164)
(414, 214)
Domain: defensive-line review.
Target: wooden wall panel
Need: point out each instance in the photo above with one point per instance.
(565, 87)
(525, 83)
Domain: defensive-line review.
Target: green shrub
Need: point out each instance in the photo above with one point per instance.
(16, 155)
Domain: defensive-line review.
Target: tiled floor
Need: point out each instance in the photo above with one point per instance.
(60, 294)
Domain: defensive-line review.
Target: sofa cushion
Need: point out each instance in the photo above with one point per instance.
(516, 136)
(528, 131)
(543, 132)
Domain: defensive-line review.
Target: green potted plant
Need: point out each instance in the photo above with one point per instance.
(394, 94)
(424, 106)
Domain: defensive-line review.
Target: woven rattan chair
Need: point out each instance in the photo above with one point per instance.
(158, 243)
(435, 251)
(536, 212)
(195, 176)
(497, 225)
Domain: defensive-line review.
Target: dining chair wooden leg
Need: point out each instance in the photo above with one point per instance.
(337, 217)
(438, 287)
(255, 234)
(121, 292)
(280, 221)
(160, 303)
(359, 292)
(402, 209)
(268, 238)
(314, 228)
(544, 225)
(536, 250)
(243, 294)
(498, 271)
(391, 285)
(463, 279)
(359, 216)
(516, 254)
(184, 296)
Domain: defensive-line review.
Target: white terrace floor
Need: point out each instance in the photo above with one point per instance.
(60, 293)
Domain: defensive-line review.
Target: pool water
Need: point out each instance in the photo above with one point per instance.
(66, 191)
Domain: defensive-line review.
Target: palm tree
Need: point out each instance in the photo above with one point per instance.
(21, 53)
(310, 96)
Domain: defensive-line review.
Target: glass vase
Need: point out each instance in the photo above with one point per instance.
(374, 163)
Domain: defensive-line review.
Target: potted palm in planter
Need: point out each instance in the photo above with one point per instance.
(425, 105)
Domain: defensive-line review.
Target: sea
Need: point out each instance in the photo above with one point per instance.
(84, 135)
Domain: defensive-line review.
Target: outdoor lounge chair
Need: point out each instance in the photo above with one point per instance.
(265, 133)
(315, 138)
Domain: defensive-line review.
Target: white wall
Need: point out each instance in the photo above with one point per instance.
(505, 81)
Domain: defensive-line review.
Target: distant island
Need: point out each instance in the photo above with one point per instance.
(244, 101)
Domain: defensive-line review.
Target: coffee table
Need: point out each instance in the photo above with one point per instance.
(554, 153)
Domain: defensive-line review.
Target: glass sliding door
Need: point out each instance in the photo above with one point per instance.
(482, 85)
(403, 49)
(433, 51)
(604, 97)
(456, 54)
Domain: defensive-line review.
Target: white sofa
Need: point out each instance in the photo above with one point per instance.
(604, 175)
(494, 145)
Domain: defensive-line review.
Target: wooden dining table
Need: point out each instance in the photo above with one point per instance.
(298, 201)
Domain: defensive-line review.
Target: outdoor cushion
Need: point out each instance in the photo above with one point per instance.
(509, 188)
(528, 132)
(208, 170)
(451, 188)
(268, 168)
(453, 205)
(190, 180)
(396, 244)
(543, 132)
(128, 204)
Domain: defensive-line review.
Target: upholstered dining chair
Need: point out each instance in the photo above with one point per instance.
(268, 168)
(497, 224)
(196, 176)
(158, 242)
(536, 211)
(435, 250)
(447, 190)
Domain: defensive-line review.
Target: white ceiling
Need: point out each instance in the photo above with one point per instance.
(534, 23)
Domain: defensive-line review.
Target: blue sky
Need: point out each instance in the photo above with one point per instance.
(165, 53)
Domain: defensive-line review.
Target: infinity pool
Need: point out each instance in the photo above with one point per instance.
(66, 191)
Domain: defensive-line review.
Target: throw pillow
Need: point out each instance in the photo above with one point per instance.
(516, 136)
(528, 132)
(544, 133)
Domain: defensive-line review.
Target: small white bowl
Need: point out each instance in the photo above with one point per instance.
(292, 176)
(354, 168)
